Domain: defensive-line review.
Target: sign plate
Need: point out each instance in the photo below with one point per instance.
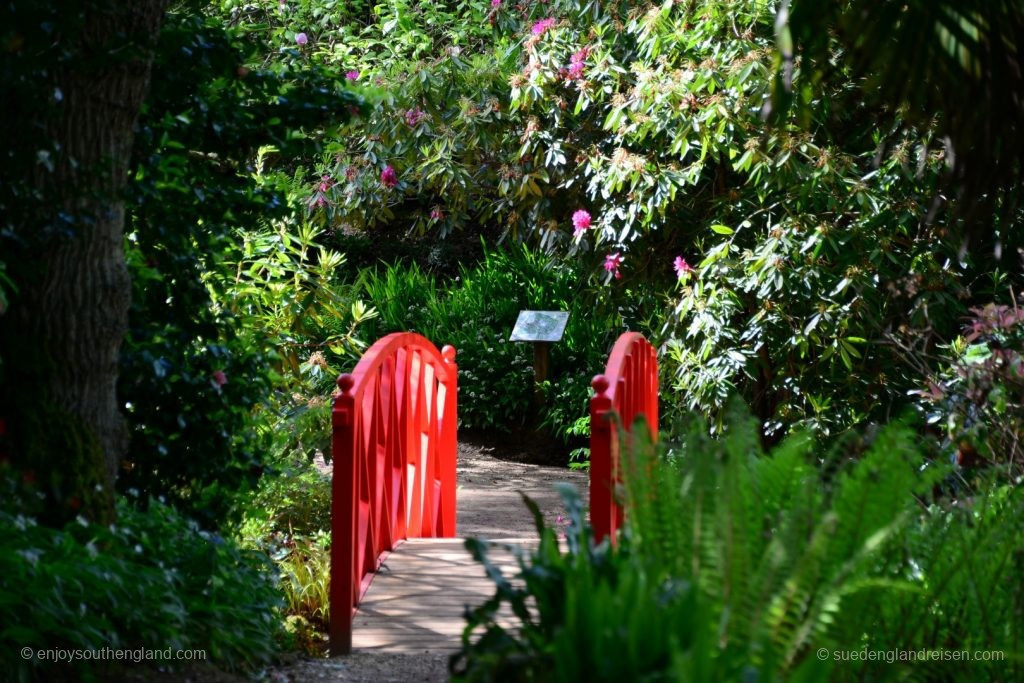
(540, 326)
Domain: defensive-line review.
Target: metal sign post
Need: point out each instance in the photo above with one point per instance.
(542, 328)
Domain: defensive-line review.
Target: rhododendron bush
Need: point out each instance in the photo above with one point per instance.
(794, 262)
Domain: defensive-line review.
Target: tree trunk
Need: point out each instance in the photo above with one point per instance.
(65, 327)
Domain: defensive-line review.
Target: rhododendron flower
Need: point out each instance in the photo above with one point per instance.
(542, 26)
(301, 38)
(325, 182)
(388, 177)
(495, 3)
(219, 378)
(352, 75)
(580, 222)
(436, 214)
(577, 63)
(612, 263)
(414, 116)
(682, 267)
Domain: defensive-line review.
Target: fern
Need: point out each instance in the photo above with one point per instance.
(739, 564)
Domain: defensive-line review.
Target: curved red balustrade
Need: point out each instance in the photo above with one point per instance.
(629, 388)
(394, 425)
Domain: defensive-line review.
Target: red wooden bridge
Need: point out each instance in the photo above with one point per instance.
(394, 490)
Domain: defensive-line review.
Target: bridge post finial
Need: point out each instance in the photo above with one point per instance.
(448, 353)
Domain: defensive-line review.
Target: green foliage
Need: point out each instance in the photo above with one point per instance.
(978, 392)
(289, 520)
(815, 246)
(805, 242)
(153, 580)
(966, 51)
(193, 373)
(476, 314)
(735, 564)
(439, 122)
(282, 288)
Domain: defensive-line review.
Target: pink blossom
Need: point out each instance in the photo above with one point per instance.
(577, 63)
(580, 222)
(414, 116)
(436, 214)
(612, 263)
(495, 4)
(388, 177)
(682, 267)
(542, 26)
(350, 173)
(219, 378)
(352, 75)
(301, 38)
(283, 3)
(325, 183)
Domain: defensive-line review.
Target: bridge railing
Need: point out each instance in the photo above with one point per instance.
(629, 388)
(393, 451)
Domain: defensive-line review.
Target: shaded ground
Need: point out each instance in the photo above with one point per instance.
(488, 507)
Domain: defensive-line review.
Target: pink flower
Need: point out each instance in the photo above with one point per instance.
(352, 75)
(414, 116)
(325, 183)
(283, 3)
(542, 26)
(577, 63)
(495, 4)
(436, 214)
(580, 222)
(350, 173)
(388, 177)
(219, 378)
(301, 38)
(682, 267)
(612, 263)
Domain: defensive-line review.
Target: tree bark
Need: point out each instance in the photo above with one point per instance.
(70, 315)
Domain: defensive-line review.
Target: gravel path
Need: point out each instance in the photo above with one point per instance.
(488, 507)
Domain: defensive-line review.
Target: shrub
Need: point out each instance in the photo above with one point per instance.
(192, 373)
(152, 580)
(289, 520)
(476, 314)
(978, 393)
(735, 564)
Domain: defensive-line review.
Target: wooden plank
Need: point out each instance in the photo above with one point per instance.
(417, 600)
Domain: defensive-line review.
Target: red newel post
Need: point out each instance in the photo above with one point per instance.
(343, 584)
(602, 483)
(449, 444)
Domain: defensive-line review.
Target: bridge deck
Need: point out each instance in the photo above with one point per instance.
(416, 601)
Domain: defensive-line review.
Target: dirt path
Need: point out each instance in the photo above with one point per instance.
(488, 507)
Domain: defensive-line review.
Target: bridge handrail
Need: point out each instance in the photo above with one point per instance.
(628, 387)
(393, 453)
